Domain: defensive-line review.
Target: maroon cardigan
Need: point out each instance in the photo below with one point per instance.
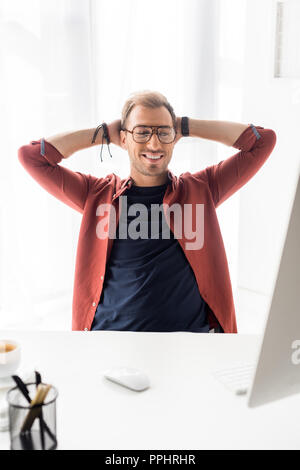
(210, 186)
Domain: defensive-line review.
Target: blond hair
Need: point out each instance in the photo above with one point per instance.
(149, 99)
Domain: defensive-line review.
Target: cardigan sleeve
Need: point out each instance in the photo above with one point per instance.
(41, 160)
(226, 177)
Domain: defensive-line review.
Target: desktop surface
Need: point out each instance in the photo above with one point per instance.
(186, 407)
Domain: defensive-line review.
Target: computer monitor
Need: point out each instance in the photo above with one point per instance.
(277, 372)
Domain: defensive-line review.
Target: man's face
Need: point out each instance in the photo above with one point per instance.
(142, 168)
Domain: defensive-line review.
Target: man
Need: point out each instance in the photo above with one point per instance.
(156, 282)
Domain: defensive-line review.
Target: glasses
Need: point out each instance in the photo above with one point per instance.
(142, 134)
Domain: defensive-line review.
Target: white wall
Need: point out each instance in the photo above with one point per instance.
(70, 65)
(93, 82)
(232, 20)
(265, 201)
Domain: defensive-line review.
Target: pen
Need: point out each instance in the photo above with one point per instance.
(25, 439)
(38, 380)
(35, 407)
(22, 387)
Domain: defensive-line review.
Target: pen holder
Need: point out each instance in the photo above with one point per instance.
(32, 427)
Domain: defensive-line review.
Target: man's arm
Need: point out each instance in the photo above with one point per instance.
(68, 143)
(226, 177)
(41, 160)
(225, 132)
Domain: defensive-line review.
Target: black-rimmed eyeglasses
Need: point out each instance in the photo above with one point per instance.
(142, 134)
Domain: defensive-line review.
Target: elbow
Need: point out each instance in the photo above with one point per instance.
(273, 138)
(28, 155)
(23, 154)
(269, 140)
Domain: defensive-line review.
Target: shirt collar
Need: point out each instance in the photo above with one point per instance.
(128, 182)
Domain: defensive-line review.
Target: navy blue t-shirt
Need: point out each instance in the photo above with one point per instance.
(149, 284)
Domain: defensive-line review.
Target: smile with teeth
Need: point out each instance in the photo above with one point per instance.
(152, 157)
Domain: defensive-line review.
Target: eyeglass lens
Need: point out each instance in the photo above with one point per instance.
(143, 134)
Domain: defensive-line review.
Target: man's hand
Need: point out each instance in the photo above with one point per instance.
(114, 132)
(178, 129)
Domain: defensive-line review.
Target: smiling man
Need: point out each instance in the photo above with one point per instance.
(149, 154)
(143, 274)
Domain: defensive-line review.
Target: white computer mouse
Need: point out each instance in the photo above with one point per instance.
(133, 379)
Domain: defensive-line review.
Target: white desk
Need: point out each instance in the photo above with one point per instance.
(186, 407)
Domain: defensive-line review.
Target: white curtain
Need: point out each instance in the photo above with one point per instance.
(71, 64)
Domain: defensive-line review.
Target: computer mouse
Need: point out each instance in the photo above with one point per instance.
(131, 378)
